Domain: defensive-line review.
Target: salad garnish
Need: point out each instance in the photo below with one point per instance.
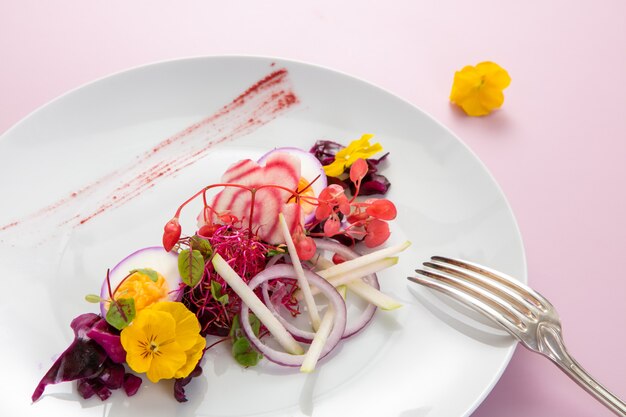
(275, 238)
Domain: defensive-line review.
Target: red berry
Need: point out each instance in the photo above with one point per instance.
(171, 234)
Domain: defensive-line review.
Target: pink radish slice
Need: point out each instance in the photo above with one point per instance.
(310, 169)
(354, 326)
(334, 298)
(155, 257)
(280, 169)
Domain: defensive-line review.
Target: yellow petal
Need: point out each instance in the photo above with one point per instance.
(187, 325)
(335, 169)
(473, 107)
(193, 356)
(494, 75)
(148, 328)
(465, 84)
(166, 362)
(490, 98)
(365, 153)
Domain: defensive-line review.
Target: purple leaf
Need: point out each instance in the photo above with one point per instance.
(82, 359)
(109, 339)
(179, 385)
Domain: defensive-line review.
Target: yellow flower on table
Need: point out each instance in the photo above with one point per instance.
(359, 148)
(478, 90)
(163, 341)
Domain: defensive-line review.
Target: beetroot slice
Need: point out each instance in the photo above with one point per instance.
(131, 384)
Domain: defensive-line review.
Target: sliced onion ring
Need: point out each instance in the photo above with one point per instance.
(299, 334)
(334, 299)
(353, 326)
(366, 316)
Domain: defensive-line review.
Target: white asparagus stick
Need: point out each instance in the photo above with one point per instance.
(319, 340)
(314, 315)
(372, 295)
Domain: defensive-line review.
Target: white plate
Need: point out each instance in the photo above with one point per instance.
(408, 363)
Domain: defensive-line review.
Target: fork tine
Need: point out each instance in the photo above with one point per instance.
(484, 306)
(526, 292)
(515, 299)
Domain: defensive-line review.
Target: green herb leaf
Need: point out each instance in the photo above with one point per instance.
(256, 324)
(279, 250)
(202, 245)
(93, 298)
(121, 313)
(151, 273)
(216, 292)
(251, 358)
(240, 346)
(191, 266)
(242, 351)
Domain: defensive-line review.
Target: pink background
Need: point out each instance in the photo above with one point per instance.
(557, 147)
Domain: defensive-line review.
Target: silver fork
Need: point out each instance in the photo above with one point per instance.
(520, 310)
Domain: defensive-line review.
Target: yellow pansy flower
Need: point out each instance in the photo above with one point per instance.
(478, 90)
(359, 148)
(163, 341)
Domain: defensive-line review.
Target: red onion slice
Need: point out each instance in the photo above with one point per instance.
(334, 298)
(299, 334)
(354, 326)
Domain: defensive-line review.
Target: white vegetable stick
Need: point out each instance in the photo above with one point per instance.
(319, 340)
(342, 291)
(321, 263)
(256, 305)
(356, 273)
(314, 315)
(346, 266)
(372, 295)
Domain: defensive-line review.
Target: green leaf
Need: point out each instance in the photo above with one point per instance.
(151, 273)
(250, 358)
(216, 292)
(241, 345)
(202, 245)
(280, 250)
(121, 313)
(256, 324)
(235, 329)
(93, 298)
(190, 266)
(242, 351)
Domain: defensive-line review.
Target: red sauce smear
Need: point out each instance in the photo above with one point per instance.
(261, 103)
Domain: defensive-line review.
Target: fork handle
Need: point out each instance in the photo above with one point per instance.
(552, 346)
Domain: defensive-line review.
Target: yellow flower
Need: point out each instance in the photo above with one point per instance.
(143, 290)
(478, 90)
(359, 148)
(163, 341)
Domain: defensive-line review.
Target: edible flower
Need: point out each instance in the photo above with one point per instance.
(357, 149)
(163, 341)
(143, 289)
(478, 90)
